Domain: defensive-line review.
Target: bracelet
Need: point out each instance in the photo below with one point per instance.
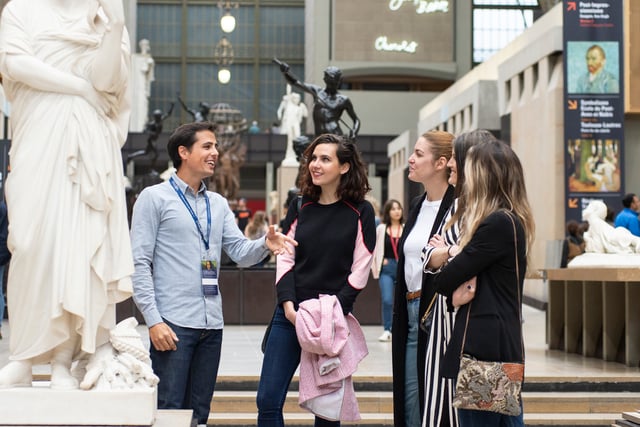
(449, 251)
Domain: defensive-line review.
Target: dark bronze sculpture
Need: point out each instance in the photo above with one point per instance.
(153, 129)
(199, 115)
(328, 103)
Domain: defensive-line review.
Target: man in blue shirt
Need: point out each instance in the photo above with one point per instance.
(628, 217)
(178, 231)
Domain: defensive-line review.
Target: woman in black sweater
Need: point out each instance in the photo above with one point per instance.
(336, 232)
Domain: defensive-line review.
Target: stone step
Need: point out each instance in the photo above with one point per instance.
(247, 419)
(245, 401)
(579, 402)
(382, 402)
(298, 419)
(570, 419)
(532, 384)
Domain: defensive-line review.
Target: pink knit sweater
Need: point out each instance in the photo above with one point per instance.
(332, 346)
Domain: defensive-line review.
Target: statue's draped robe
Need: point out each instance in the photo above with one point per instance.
(68, 231)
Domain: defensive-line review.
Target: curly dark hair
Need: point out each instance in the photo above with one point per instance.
(354, 184)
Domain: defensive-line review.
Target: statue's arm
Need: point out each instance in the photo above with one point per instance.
(187, 109)
(168, 113)
(109, 69)
(281, 108)
(39, 75)
(294, 81)
(356, 121)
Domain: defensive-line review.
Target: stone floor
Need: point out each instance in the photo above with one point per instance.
(241, 354)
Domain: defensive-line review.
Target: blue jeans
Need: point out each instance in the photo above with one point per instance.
(188, 375)
(472, 418)
(411, 395)
(281, 359)
(386, 281)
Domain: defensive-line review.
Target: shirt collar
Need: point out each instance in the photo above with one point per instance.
(184, 187)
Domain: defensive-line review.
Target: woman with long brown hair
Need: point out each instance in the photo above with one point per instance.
(497, 230)
(438, 391)
(335, 229)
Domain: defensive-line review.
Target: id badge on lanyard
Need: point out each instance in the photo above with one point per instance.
(209, 277)
(208, 267)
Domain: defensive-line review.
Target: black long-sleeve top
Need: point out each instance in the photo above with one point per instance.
(334, 252)
(494, 332)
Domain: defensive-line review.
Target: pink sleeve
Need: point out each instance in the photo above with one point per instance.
(362, 259)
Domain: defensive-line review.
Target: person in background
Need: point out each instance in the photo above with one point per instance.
(242, 214)
(254, 128)
(438, 391)
(385, 260)
(497, 231)
(574, 243)
(428, 166)
(178, 231)
(5, 255)
(628, 217)
(258, 227)
(335, 229)
(376, 207)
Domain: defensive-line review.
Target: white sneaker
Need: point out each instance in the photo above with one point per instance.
(386, 336)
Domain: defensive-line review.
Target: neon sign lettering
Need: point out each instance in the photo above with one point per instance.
(422, 6)
(383, 44)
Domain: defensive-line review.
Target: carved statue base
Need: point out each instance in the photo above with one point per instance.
(590, 259)
(47, 407)
(290, 155)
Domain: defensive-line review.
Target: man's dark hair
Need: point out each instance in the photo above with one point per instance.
(627, 200)
(185, 135)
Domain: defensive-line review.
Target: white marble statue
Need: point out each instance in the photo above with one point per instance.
(64, 65)
(291, 112)
(122, 363)
(142, 74)
(605, 245)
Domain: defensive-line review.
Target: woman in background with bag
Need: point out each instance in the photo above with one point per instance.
(385, 260)
(496, 233)
(335, 229)
(437, 321)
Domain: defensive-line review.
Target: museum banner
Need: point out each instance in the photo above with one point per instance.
(593, 104)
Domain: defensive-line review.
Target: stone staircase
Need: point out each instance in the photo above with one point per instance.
(547, 402)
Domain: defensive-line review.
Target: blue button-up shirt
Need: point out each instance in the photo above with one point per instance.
(168, 250)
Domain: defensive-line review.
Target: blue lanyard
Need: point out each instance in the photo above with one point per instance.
(193, 214)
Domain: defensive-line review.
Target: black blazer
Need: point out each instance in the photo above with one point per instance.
(400, 316)
(495, 331)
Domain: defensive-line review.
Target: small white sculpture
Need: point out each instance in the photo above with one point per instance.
(142, 74)
(123, 363)
(291, 112)
(602, 238)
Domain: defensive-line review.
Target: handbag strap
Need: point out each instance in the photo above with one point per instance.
(515, 250)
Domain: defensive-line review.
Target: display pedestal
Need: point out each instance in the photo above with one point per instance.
(286, 180)
(593, 312)
(41, 406)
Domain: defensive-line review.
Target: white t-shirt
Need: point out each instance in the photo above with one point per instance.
(416, 241)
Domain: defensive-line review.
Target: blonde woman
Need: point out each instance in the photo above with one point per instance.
(428, 166)
(496, 205)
